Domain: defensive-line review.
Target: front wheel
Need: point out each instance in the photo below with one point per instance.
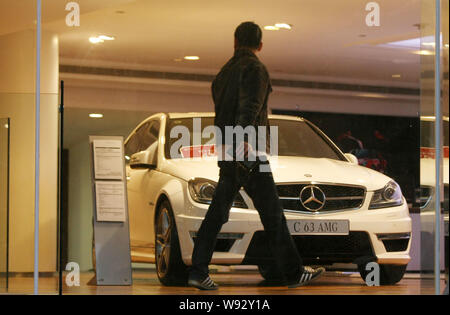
(169, 266)
(389, 274)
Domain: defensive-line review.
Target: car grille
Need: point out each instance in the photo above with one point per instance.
(398, 245)
(316, 249)
(339, 247)
(338, 197)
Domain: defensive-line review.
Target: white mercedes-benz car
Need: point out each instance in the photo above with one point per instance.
(358, 215)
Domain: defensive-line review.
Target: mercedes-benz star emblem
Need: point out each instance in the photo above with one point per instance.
(312, 198)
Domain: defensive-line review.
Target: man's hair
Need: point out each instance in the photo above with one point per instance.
(248, 34)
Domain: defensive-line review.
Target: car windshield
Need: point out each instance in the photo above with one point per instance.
(295, 138)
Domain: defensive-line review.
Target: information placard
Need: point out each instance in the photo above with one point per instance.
(108, 159)
(110, 201)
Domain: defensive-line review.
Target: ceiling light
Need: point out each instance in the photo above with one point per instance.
(95, 40)
(433, 118)
(95, 115)
(100, 39)
(412, 43)
(423, 52)
(283, 25)
(271, 28)
(105, 37)
(191, 57)
(372, 95)
(396, 75)
(177, 59)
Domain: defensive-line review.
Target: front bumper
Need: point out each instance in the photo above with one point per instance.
(381, 235)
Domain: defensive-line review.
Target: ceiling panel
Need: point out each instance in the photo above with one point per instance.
(328, 38)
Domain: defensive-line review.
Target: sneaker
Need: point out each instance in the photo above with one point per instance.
(205, 284)
(309, 274)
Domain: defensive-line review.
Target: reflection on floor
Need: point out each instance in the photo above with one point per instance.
(237, 282)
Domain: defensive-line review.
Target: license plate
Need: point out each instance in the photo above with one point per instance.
(318, 227)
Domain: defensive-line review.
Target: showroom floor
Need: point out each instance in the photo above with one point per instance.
(236, 282)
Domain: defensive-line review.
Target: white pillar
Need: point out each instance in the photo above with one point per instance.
(17, 101)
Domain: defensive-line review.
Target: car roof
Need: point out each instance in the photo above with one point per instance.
(211, 114)
(179, 115)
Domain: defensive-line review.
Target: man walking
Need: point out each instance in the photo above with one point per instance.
(240, 92)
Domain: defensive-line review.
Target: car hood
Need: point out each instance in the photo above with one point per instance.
(287, 170)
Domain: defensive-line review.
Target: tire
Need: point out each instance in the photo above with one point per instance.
(389, 274)
(270, 272)
(170, 268)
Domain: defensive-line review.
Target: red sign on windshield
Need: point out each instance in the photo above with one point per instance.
(430, 153)
(198, 151)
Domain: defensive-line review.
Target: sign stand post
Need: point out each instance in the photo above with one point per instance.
(111, 226)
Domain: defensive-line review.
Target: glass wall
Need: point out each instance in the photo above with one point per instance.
(17, 102)
(125, 60)
(363, 72)
(4, 202)
(429, 116)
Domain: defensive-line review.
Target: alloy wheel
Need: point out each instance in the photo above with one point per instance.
(163, 241)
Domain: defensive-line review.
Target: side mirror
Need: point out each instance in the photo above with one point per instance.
(145, 159)
(351, 158)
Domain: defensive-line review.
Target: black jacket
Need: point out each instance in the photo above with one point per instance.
(240, 92)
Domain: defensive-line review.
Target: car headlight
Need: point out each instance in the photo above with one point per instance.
(388, 196)
(202, 191)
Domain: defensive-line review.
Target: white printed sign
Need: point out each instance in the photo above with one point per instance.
(108, 159)
(110, 201)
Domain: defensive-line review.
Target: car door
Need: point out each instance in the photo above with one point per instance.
(139, 191)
